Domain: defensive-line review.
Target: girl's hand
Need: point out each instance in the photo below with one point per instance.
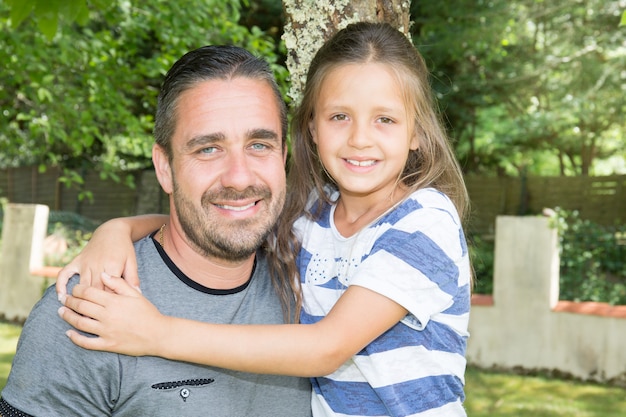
(110, 250)
(125, 321)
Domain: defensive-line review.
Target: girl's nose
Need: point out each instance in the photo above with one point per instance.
(359, 136)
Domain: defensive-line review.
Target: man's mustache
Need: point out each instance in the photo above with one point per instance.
(230, 194)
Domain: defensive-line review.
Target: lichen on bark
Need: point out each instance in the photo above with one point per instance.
(308, 23)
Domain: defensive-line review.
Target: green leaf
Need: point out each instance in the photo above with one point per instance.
(43, 94)
(48, 24)
(82, 15)
(72, 9)
(19, 11)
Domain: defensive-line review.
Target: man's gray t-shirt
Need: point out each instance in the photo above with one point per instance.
(53, 377)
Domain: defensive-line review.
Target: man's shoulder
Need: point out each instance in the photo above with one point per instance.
(146, 243)
(52, 367)
(44, 326)
(50, 302)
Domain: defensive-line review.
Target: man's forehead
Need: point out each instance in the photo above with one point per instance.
(219, 86)
(216, 91)
(219, 106)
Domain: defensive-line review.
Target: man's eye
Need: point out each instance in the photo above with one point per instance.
(208, 150)
(259, 146)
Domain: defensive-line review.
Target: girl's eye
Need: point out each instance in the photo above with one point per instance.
(385, 120)
(339, 117)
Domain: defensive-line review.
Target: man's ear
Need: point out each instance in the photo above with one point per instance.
(162, 168)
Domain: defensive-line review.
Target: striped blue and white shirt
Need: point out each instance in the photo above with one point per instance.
(416, 255)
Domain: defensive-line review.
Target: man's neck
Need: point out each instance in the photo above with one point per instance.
(210, 272)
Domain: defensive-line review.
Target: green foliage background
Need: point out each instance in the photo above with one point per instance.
(84, 98)
(527, 87)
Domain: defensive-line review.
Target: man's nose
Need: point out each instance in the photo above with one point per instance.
(237, 173)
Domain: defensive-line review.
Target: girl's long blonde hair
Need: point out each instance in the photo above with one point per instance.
(432, 164)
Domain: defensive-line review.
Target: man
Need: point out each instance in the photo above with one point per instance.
(220, 149)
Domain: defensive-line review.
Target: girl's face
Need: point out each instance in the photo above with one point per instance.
(362, 129)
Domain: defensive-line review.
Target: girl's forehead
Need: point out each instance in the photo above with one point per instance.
(365, 67)
(364, 81)
(354, 72)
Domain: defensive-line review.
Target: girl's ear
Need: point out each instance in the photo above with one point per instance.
(162, 168)
(415, 142)
(312, 130)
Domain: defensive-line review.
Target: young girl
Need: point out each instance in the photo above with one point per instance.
(382, 260)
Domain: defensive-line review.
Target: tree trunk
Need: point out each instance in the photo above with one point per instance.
(308, 23)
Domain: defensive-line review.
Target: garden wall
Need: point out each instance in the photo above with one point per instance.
(524, 325)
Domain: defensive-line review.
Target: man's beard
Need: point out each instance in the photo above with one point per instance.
(235, 240)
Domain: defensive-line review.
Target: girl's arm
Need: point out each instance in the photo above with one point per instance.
(110, 250)
(128, 323)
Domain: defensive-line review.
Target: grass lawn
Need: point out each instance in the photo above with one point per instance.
(496, 394)
(489, 394)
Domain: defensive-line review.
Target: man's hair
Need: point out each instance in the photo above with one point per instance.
(213, 62)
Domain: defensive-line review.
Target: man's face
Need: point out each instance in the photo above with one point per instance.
(227, 175)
